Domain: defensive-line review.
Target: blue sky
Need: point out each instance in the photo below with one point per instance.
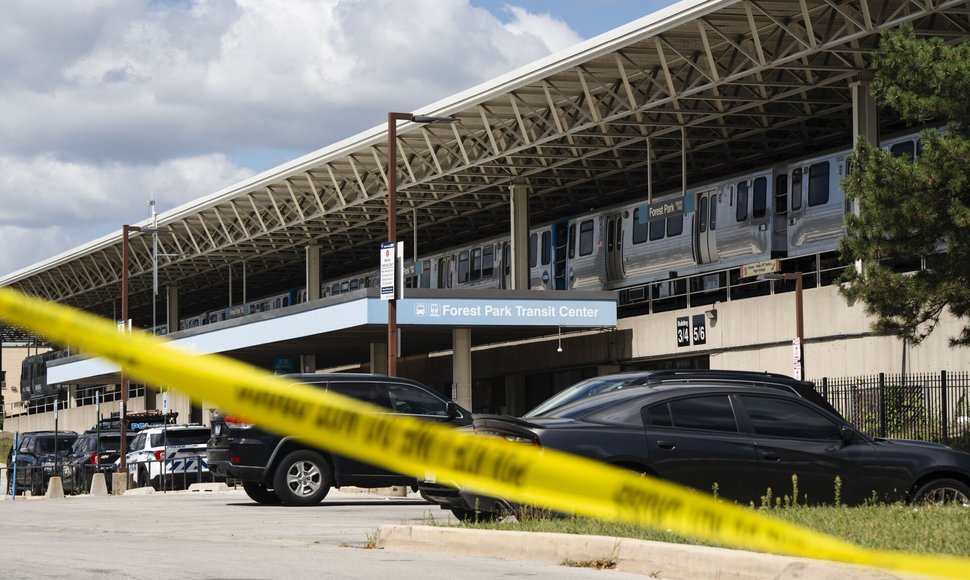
(109, 103)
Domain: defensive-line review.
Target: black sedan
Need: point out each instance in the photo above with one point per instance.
(92, 452)
(743, 443)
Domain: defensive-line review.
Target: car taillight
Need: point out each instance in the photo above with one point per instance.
(237, 422)
(93, 460)
(160, 455)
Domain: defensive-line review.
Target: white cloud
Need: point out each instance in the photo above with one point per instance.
(108, 100)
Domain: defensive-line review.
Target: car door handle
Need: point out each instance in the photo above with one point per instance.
(665, 444)
(771, 456)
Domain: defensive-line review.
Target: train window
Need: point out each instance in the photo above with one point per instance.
(354, 284)
(488, 261)
(818, 184)
(759, 201)
(781, 194)
(425, 274)
(713, 200)
(904, 149)
(610, 234)
(675, 225)
(640, 225)
(658, 228)
(742, 211)
(344, 287)
(796, 189)
(476, 273)
(546, 248)
(463, 267)
(572, 241)
(702, 216)
(533, 252)
(335, 289)
(586, 238)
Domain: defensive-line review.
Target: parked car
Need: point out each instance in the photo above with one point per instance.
(169, 457)
(92, 452)
(275, 469)
(742, 440)
(447, 495)
(39, 456)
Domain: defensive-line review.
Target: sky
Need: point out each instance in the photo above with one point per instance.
(107, 103)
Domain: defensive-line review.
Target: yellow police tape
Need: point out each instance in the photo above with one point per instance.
(521, 473)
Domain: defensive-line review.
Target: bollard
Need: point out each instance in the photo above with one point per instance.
(119, 483)
(55, 489)
(98, 485)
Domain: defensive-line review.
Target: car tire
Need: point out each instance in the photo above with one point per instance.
(259, 493)
(473, 516)
(37, 487)
(143, 479)
(943, 491)
(302, 478)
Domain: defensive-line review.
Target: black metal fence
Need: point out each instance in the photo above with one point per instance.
(924, 406)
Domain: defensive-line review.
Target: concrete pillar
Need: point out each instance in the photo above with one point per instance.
(865, 113)
(308, 363)
(515, 395)
(520, 237)
(172, 307)
(461, 340)
(378, 358)
(865, 124)
(312, 272)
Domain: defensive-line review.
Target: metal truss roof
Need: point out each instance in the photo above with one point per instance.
(745, 82)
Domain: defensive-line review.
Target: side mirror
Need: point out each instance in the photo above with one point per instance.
(847, 434)
(451, 410)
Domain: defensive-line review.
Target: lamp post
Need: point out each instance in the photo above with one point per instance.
(125, 230)
(799, 317)
(392, 119)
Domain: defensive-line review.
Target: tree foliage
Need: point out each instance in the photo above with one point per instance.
(912, 210)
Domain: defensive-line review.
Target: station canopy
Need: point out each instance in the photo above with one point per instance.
(737, 84)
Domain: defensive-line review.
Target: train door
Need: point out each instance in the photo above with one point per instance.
(614, 247)
(446, 272)
(705, 227)
(560, 259)
(506, 279)
(779, 219)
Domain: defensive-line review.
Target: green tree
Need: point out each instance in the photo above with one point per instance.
(914, 209)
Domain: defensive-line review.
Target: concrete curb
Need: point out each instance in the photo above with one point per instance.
(656, 559)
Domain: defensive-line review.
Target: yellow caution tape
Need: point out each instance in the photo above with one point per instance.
(521, 473)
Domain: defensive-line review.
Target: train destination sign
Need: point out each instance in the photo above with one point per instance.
(662, 210)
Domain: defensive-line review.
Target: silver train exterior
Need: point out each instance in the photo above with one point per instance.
(788, 210)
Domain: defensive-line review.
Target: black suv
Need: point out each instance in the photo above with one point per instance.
(39, 456)
(92, 452)
(276, 469)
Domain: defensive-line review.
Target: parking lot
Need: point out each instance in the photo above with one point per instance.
(225, 535)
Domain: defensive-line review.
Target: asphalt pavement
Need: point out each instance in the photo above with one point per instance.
(351, 534)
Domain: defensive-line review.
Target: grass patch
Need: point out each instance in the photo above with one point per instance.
(6, 442)
(599, 563)
(923, 529)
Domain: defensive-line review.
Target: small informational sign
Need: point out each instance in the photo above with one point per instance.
(387, 270)
(683, 331)
(796, 351)
(699, 329)
(165, 403)
(759, 268)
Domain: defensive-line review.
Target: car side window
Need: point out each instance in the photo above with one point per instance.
(366, 391)
(138, 442)
(712, 413)
(782, 418)
(411, 400)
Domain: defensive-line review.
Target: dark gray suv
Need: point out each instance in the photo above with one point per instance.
(39, 455)
(275, 469)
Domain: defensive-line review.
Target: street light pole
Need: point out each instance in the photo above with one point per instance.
(392, 119)
(125, 230)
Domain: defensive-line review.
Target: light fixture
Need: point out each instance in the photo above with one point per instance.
(712, 314)
(559, 346)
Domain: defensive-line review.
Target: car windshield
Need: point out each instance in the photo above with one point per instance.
(46, 444)
(589, 405)
(180, 437)
(580, 390)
